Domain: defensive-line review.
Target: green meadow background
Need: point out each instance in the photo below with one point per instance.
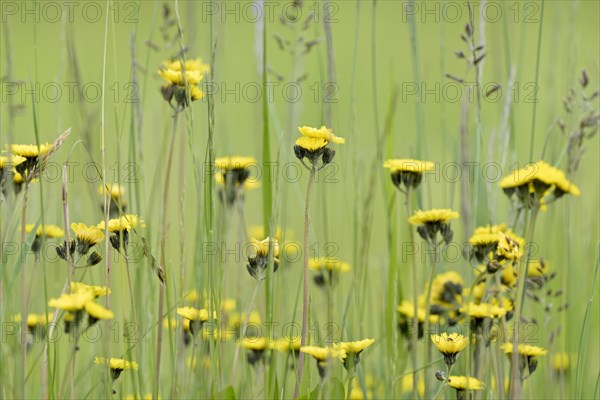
(388, 73)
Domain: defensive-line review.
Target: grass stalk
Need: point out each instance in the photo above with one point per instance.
(305, 292)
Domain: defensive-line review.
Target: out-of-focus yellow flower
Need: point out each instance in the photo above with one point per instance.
(465, 383)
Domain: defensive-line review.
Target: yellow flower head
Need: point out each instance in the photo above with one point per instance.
(329, 264)
(34, 320)
(96, 311)
(484, 310)
(116, 365)
(231, 163)
(50, 231)
(115, 191)
(75, 301)
(194, 314)
(261, 247)
(433, 216)
(322, 354)
(509, 248)
(311, 144)
(190, 65)
(175, 77)
(525, 350)
(288, 344)
(90, 235)
(447, 287)
(10, 162)
(465, 383)
(561, 362)
(407, 310)
(30, 150)
(408, 165)
(256, 343)
(450, 344)
(96, 290)
(537, 268)
(124, 223)
(355, 347)
(320, 133)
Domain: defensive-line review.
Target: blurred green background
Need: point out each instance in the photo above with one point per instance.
(59, 49)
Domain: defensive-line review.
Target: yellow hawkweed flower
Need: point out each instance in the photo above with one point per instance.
(561, 362)
(51, 231)
(407, 172)
(196, 317)
(450, 345)
(327, 269)
(483, 310)
(256, 347)
(234, 174)
(407, 312)
(115, 191)
(75, 301)
(313, 145)
(447, 288)
(116, 365)
(462, 383)
(353, 350)
(323, 355)
(172, 72)
(95, 312)
(432, 222)
(537, 268)
(14, 160)
(87, 236)
(232, 163)
(96, 290)
(527, 355)
(525, 350)
(258, 262)
(288, 344)
(35, 320)
(30, 151)
(433, 216)
(533, 182)
(321, 133)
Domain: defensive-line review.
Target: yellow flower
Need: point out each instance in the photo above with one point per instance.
(34, 320)
(508, 248)
(320, 133)
(176, 77)
(114, 190)
(123, 223)
(194, 314)
(288, 344)
(73, 301)
(447, 288)
(30, 151)
(330, 264)
(483, 310)
(89, 235)
(13, 161)
(254, 343)
(96, 311)
(408, 165)
(355, 347)
(51, 231)
(407, 309)
(524, 350)
(172, 72)
(190, 65)
(196, 93)
(96, 290)
(116, 365)
(237, 319)
(449, 345)
(231, 163)
(537, 268)
(261, 247)
(324, 353)
(465, 383)
(311, 144)
(537, 178)
(433, 216)
(561, 362)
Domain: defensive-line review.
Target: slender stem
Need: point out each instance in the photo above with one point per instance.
(161, 295)
(426, 324)
(244, 328)
(351, 373)
(300, 367)
(23, 302)
(415, 329)
(516, 388)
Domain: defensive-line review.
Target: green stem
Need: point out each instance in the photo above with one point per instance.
(243, 334)
(426, 324)
(516, 389)
(300, 367)
(161, 295)
(415, 327)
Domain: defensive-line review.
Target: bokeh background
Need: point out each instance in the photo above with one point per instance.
(57, 49)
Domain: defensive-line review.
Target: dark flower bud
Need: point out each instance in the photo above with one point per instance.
(167, 92)
(300, 152)
(328, 155)
(94, 259)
